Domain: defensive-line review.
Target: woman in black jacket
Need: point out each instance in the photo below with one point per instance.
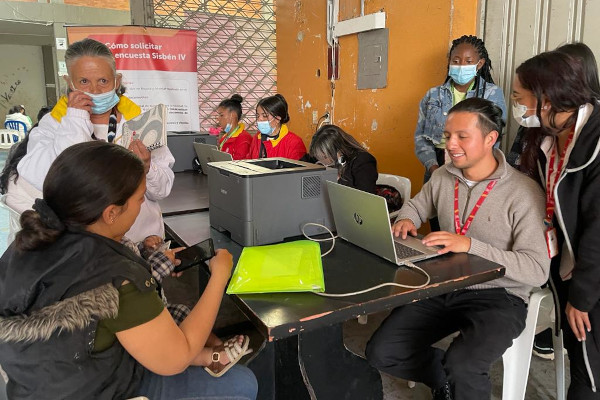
(550, 91)
(80, 313)
(333, 147)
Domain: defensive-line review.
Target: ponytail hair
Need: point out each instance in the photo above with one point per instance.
(233, 104)
(39, 226)
(275, 106)
(82, 181)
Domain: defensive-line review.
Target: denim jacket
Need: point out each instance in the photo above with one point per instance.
(433, 111)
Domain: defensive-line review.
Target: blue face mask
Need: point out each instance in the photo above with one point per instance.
(227, 128)
(462, 74)
(264, 127)
(103, 101)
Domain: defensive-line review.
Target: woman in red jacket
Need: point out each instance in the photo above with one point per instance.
(235, 140)
(274, 139)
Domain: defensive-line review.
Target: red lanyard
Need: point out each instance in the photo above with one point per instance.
(465, 228)
(551, 183)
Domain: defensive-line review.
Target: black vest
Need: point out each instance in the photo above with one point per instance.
(50, 303)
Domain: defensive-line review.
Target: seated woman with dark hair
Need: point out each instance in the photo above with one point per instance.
(333, 147)
(235, 140)
(273, 138)
(80, 314)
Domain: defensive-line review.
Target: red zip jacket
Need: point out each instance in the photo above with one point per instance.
(237, 144)
(288, 145)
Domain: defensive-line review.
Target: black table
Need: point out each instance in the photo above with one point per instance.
(188, 195)
(188, 229)
(303, 355)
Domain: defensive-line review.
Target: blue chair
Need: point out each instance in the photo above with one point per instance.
(17, 126)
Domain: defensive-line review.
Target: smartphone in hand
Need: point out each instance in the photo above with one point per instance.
(195, 254)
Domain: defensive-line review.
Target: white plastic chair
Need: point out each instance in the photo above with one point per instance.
(517, 358)
(8, 137)
(14, 220)
(16, 125)
(400, 183)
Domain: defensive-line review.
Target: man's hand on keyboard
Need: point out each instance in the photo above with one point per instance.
(404, 226)
(450, 242)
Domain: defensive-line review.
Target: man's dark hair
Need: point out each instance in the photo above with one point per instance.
(489, 115)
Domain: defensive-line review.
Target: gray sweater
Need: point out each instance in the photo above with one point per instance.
(508, 228)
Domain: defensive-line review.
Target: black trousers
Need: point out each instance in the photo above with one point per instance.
(581, 384)
(488, 320)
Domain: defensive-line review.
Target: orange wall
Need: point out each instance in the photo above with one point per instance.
(110, 4)
(383, 120)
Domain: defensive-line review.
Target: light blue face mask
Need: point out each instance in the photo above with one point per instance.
(264, 127)
(103, 101)
(462, 74)
(227, 128)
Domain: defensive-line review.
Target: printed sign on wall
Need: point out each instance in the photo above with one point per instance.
(158, 66)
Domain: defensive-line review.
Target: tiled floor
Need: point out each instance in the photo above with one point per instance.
(541, 384)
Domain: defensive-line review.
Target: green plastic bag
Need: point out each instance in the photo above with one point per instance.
(285, 267)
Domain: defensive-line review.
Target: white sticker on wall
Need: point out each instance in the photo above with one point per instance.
(61, 43)
(62, 68)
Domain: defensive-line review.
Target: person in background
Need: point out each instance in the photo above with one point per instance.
(542, 345)
(486, 208)
(10, 175)
(17, 113)
(234, 140)
(582, 53)
(15, 154)
(469, 75)
(333, 147)
(273, 138)
(94, 109)
(551, 91)
(80, 314)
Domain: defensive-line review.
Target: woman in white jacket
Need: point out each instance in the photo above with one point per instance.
(94, 109)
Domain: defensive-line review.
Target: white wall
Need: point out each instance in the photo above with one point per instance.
(515, 30)
(18, 33)
(21, 79)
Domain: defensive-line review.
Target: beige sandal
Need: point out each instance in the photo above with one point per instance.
(234, 352)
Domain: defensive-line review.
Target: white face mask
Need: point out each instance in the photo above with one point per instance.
(519, 111)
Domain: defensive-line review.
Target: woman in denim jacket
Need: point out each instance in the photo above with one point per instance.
(468, 76)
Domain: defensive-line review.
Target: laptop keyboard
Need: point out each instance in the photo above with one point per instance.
(403, 251)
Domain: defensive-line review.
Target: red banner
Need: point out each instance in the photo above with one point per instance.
(144, 49)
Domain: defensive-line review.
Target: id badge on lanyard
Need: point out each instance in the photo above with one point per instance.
(551, 242)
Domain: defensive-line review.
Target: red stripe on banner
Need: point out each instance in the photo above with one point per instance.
(146, 52)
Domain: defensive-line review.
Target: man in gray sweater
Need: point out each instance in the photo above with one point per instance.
(487, 208)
